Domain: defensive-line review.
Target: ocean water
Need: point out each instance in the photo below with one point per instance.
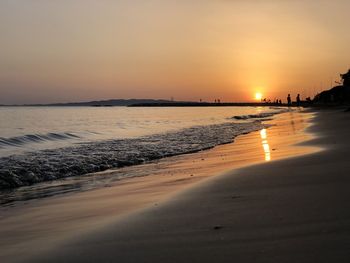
(46, 143)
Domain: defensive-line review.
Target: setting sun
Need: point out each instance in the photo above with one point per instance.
(258, 96)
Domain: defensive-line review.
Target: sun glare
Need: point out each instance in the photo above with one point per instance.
(258, 96)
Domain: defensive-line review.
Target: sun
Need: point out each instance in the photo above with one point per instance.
(258, 96)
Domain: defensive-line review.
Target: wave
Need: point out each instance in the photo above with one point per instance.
(35, 138)
(51, 164)
(262, 115)
(253, 116)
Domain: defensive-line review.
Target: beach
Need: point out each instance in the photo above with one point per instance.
(174, 131)
(276, 195)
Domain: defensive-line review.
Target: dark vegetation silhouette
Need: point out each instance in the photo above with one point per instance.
(338, 95)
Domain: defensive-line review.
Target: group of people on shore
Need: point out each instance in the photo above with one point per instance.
(289, 100)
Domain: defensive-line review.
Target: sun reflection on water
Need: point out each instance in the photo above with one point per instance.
(265, 144)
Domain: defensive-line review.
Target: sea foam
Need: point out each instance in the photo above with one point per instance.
(51, 164)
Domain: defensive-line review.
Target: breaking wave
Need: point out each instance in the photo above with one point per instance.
(19, 141)
(262, 115)
(51, 164)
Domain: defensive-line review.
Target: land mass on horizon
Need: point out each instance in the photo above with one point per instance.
(97, 103)
(144, 103)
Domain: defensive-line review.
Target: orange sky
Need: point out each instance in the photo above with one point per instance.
(71, 50)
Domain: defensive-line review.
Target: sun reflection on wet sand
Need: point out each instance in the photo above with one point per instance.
(265, 144)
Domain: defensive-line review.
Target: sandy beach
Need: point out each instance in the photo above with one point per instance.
(277, 195)
(174, 131)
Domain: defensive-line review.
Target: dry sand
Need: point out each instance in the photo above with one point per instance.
(289, 210)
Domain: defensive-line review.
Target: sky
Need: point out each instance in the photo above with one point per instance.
(79, 50)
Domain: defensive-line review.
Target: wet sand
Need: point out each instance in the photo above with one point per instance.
(81, 226)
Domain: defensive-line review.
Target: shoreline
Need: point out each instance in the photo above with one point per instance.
(83, 158)
(79, 212)
(291, 210)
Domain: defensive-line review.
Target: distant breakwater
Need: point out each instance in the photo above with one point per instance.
(208, 104)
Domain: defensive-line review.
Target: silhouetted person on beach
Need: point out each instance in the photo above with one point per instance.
(346, 78)
(298, 100)
(289, 100)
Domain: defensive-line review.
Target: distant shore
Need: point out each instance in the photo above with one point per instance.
(157, 103)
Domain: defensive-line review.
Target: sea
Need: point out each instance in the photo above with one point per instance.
(41, 144)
